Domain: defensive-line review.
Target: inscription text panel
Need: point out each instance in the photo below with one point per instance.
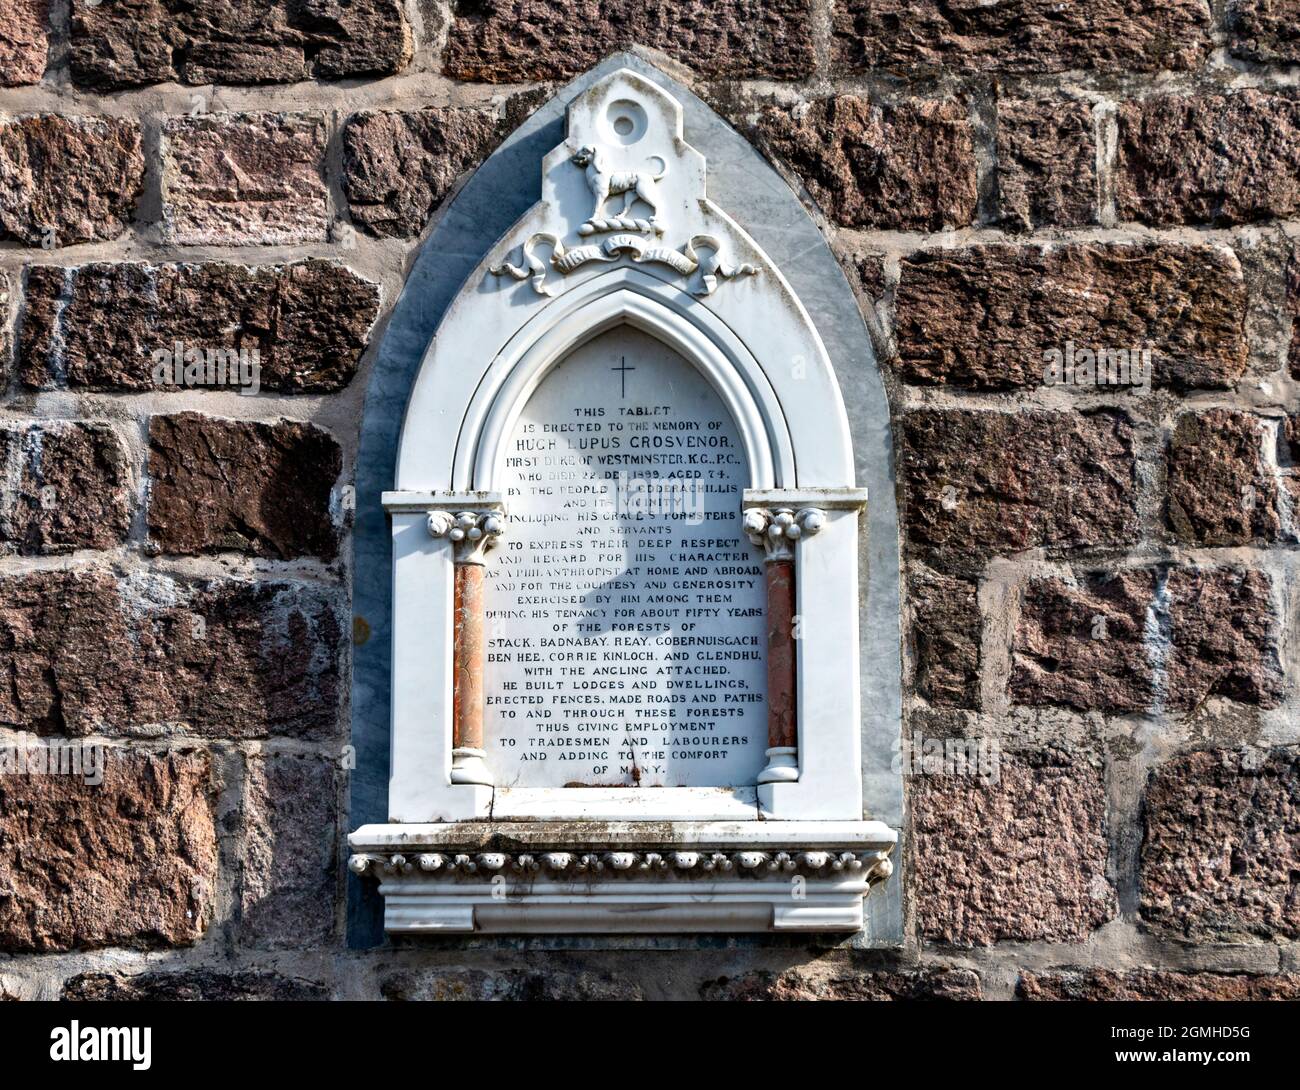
(625, 608)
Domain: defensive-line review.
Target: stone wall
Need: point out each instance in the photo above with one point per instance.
(1100, 580)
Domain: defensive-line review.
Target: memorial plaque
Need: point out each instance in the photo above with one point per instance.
(625, 607)
(625, 464)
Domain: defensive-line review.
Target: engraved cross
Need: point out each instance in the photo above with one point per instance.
(623, 369)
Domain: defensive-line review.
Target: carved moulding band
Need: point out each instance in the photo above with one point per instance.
(565, 260)
(874, 866)
(614, 878)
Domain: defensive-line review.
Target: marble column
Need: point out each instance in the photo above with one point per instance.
(776, 531)
(472, 534)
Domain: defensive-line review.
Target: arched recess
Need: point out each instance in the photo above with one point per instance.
(624, 296)
(808, 399)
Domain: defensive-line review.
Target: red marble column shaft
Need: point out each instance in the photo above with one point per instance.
(781, 724)
(468, 658)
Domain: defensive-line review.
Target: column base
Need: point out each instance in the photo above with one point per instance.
(470, 766)
(782, 765)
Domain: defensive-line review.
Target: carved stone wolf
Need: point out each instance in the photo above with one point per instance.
(605, 183)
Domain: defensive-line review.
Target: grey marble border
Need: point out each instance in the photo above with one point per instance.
(753, 194)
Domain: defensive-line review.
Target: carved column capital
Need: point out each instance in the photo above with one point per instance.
(776, 529)
(472, 534)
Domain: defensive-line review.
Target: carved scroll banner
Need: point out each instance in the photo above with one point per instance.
(565, 260)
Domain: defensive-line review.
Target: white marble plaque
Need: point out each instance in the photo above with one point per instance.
(625, 608)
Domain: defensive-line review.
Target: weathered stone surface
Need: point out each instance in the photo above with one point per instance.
(87, 651)
(1141, 638)
(1047, 164)
(1222, 846)
(1105, 985)
(1222, 637)
(1293, 307)
(985, 317)
(68, 179)
(838, 984)
(24, 41)
(189, 985)
(1217, 159)
(131, 862)
(70, 488)
(1218, 490)
(1264, 30)
(99, 325)
(1020, 860)
(250, 487)
(6, 335)
(398, 165)
(977, 483)
(1085, 646)
(291, 826)
(234, 179)
(1021, 36)
(908, 166)
(518, 985)
(514, 41)
(126, 43)
(946, 629)
(1289, 449)
(869, 270)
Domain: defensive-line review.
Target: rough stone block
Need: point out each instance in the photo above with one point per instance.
(1223, 632)
(106, 326)
(265, 489)
(1213, 159)
(978, 483)
(839, 985)
(1027, 37)
(1218, 490)
(238, 179)
(24, 41)
(1162, 985)
(946, 630)
(1222, 846)
(510, 985)
(514, 41)
(1047, 164)
(907, 166)
(290, 885)
(1085, 646)
(1264, 31)
(987, 317)
(192, 985)
(1020, 860)
(71, 488)
(131, 862)
(68, 179)
(399, 165)
(127, 43)
(89, 651)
